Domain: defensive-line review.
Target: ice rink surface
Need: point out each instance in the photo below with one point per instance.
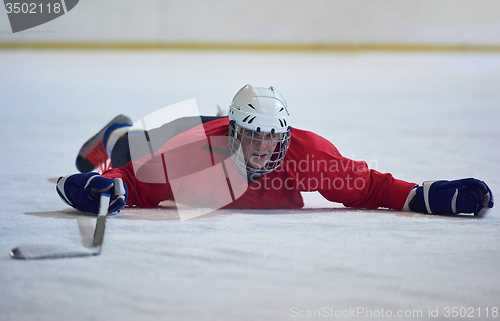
(419, 116)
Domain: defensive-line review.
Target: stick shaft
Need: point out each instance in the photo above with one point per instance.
(100, 225)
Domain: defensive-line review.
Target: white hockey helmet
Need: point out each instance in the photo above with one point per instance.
(258, 110)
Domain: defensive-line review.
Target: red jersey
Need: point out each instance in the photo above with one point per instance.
(195, 168)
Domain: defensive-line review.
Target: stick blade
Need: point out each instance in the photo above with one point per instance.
(33, 252)
(39, 251)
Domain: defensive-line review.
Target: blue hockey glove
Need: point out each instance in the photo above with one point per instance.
(467, 195)
(82, 191)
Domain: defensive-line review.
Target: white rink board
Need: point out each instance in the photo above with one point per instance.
(418, 116)
(272, 22)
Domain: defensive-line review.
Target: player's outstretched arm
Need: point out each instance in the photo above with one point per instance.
(82, 191)
(467, 195)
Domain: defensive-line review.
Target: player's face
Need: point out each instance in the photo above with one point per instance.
(258, 148)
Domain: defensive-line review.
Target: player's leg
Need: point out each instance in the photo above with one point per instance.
(119, 150)
(118, 140)
(93, 153)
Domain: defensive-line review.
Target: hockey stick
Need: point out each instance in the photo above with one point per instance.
(31, 252)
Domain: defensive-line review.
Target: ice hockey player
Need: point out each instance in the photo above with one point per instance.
(250, 159)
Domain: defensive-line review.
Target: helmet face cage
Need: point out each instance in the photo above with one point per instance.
(251, 151)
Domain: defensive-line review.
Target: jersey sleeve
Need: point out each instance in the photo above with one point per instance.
(142, 191)
(318, 166)
(369, 189)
